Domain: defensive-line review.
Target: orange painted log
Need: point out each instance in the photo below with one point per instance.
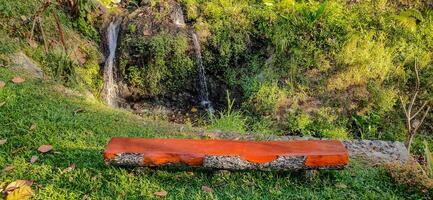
(227, 154)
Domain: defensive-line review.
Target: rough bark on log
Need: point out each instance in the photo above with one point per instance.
(227, 155)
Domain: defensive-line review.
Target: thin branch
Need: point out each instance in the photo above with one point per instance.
(403, 105)
(416, 89)
(422, 119)
(420, 109)
(33, 29)
(43, 35)
(59, 27)
(417, 76)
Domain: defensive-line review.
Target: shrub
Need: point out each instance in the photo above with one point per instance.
(60, 66)
(335, 133)
(228, 120)
(412, 176)
(161, 63)
(266, 100)
(299, 123)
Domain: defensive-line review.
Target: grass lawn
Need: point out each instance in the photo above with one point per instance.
(79, 138)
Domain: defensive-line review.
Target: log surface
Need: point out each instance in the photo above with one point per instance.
(227, 154)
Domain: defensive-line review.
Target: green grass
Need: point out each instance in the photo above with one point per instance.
(80, 138)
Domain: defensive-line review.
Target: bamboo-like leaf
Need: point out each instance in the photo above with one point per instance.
(429, 160)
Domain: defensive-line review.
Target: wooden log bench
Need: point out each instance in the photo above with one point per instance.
(227, 154)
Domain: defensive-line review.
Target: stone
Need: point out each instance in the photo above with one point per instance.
(23, 62)
(228, 154)
(379, 151)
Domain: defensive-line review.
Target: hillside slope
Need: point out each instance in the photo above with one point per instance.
(37, 112)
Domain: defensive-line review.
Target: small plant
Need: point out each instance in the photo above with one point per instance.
(60, 66)
(410, 175)
(229, 120)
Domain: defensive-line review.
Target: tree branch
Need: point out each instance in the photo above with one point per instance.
(420, 109)
(422, 119)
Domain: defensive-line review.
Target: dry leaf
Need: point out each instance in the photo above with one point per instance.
(45, 148)
(2, 104)
(8, 168)
(19, 190)
(32, 43)
(17, 184)
(206, 189)
(3, 141)
(2, 84)
(18, 80)
(33, 159)
(69, 169)
(33, 127)
(160, 193)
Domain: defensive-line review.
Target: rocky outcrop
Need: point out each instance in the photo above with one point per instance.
(22, 62)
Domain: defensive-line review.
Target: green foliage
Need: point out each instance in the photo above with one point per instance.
(335, 133)
(80, 138)
(7, 44)
(429, 159)
(88, 73)
(228, 120)
(59, 66)
(367, 125)
(266, 99)
(166, 66)
(82, 12)
(134, 76)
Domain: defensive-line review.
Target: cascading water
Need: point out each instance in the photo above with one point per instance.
(204, 93)
(110, 84)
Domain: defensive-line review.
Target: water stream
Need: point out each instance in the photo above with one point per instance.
(203, 89)
(110, 83)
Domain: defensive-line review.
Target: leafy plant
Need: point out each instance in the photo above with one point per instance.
(60, 66)
(228, 120)
(429, 159)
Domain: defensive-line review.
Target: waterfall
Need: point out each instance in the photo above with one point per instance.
(110, 84)
(204, 93)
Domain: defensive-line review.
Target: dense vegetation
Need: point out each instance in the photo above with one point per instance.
(334, 69)
(328, 69)
(40, 112)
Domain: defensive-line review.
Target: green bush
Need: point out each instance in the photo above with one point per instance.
(229, 120)
(266, 99)
(59, 66)
(166, 66)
